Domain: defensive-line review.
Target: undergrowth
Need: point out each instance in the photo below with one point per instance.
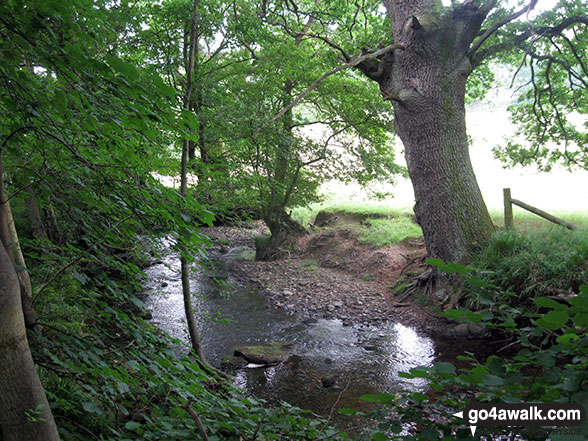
(110, 375)
(535, 263)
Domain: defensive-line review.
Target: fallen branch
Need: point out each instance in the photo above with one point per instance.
(337, 402)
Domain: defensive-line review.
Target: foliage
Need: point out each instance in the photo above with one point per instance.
(551, 112)
(549, 366)
(533, 264)
(110, 375)
(340, 129)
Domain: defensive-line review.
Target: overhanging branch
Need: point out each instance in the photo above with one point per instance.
(498, 25)
(354, 62)
(537, 32)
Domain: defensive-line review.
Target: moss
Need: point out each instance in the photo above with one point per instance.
(269, 353)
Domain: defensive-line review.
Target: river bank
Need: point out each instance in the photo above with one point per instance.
(332, 275)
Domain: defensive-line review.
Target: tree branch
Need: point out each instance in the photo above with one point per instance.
(498, 25)
(352, 63)
(327, 41)
(538, 32)
(196, 418)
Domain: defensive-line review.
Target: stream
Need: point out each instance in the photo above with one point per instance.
(364, 358)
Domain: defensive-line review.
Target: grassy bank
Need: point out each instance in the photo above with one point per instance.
(380, 226)
(536, 258)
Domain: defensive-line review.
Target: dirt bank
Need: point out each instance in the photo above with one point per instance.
(333, 275)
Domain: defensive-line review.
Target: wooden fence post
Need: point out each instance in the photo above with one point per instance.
(508, 218)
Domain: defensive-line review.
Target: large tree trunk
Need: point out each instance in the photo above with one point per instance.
(285, 232)
(24, 411)
(425, 81)
(9, 239)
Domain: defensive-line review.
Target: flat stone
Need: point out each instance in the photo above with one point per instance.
(331, 308)
(338, 304)
(270, 353)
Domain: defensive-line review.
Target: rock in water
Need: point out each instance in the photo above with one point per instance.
(231, 362)
(274, 352)
(329, 380)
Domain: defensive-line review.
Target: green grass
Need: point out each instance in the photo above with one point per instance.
(304, 215)
(383, 232)
(381, 226)
(525, 221)
(385, 225)
(534, 263)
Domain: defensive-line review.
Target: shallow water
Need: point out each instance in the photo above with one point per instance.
(366, 359)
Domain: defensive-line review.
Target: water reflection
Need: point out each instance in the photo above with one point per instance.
(362, 358)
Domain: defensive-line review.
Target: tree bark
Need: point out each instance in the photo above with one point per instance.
(24, 411)
(34, 213)
(9, 239)
(190, 52)
(425, 80)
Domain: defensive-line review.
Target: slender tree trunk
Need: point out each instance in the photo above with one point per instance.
(185, 268)
(34, 214)
(24, 411)
(189, 309)
(54, 232)
(425, 80)
(284, 230)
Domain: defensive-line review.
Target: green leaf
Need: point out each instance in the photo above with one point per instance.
(553, 320)
(132, 425)
(581, 319)
(382, 398)
(449, 267)
(90, 406)
(454, 314)
(444, 367)
(492, 380)
(545, 302)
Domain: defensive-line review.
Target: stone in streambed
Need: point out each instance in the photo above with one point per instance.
(274, 352)
(231, 362)
(329, 380)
